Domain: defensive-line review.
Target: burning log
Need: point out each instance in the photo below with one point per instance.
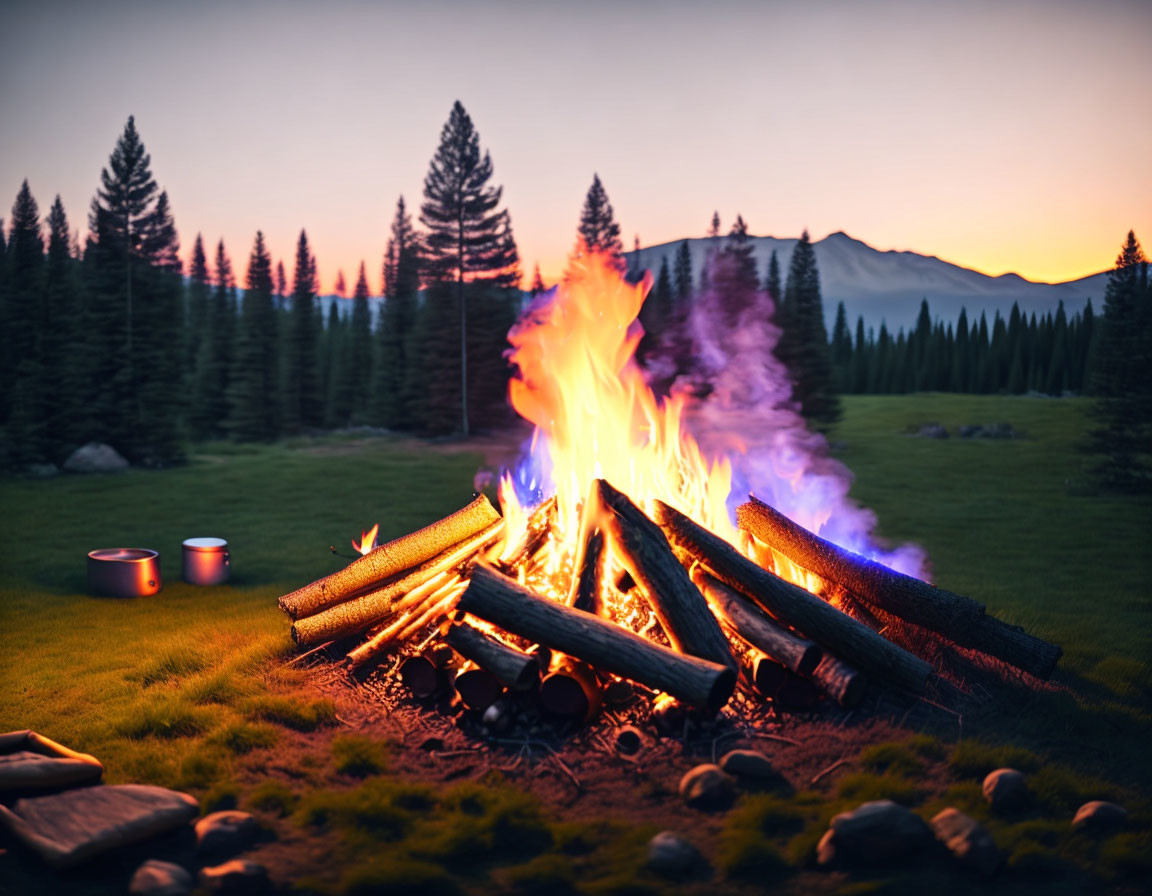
(513, 668)
(589, 566)
(571, 690)
(531, 539)
(959, 618)
(476, 687)
(392, 558)
(367, 610)
(792, 605)
(602, 644)
(752, 625)
(426, 674)
(840, 682)
(678, 604)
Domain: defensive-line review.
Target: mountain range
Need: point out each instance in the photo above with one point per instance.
(889, 285)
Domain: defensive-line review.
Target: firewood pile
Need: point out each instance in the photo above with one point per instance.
(454, 604)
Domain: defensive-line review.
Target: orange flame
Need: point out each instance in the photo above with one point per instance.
(367, 540)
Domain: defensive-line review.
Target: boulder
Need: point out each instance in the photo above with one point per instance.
(707, 787)
(41, 471)
(228, 831)
(1005, 788)
(1099, 817)
(237, 876)
(872, 833)
(70, 827)
(156, 878)
(30, 761)
(95, 457)
(751, 766)
(671, 855)
(967, 840)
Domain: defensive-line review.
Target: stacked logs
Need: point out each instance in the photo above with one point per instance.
(725, 618)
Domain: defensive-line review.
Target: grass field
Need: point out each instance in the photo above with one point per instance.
(184, 689)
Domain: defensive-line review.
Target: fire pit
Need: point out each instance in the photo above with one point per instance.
(615, 558)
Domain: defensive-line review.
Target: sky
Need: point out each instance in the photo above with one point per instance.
(1002, 136)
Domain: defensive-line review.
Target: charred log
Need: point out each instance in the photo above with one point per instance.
(531, 539)
(515, 669)
(589, 565)
(600, 643)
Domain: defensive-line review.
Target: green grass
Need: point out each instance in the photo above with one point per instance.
(187, 689)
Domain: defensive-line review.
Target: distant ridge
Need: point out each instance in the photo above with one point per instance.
(888, 285)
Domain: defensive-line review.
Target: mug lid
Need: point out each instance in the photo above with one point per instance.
(205, 544)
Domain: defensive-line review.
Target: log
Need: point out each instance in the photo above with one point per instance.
(570, 690)
(531, 539)
(876, 584)
(840, 681)
(410, 609)
(367, 610)
(589, 565)
(515, 669)
(958, 618)
(678, 604)
(765, 673)
(477, 688)
(749, 623)
(426, 674)
(792, 605)
(598, 642)
(391, 559)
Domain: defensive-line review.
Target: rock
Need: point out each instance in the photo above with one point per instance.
(156, 878)
(1099, 817)
(970, 431)
(707, 787)
(237, 876)
(95, 457)
(1005, 788)
(229, 831)
(671, 855)
(967, 840)
(752, 765)
(41, 471)
(30, 761)
(67, 828)
(933, 431)
(871, 833)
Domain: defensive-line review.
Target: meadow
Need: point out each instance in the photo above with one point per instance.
(190, 689)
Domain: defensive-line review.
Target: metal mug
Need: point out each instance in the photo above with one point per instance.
(124, 572)
(206, 561)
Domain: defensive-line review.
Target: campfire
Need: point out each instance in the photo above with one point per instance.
(615, 558)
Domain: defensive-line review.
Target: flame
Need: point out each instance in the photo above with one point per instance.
(367, 540)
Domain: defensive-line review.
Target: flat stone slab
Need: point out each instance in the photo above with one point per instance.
(70, 827)
(30, 761)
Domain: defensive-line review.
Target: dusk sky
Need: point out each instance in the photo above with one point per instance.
(1003, 136)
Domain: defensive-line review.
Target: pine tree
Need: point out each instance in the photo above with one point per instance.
(198, 292)
(804, 340)
(468, 240)
(733, 272)
(19, 366)
(1056, 382)
(210, 385)
(842, 351)
(302, 397)
(281, 285)
(656, 312)
(772, 281)
(682, 276)
(598, 230)
(333, 358)
(254, 390)
(860, 359)
(961, 353)
(1121, 376)
(358, 371)
(395, 373)
(61, 387)
(537, 283)
(341, 287)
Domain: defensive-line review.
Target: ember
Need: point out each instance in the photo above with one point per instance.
(615, 558)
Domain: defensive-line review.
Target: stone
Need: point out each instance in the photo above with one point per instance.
(228, 831)
(750, 765)
(1005, 788)
(872, 833)
(237, 876)
(967, 840)
(671, 855)
(30, 761)
(933, 431)
(1099, 817)
(42, 471)
(970, 431)
(67, 828)
(156, 878)
(95, 457)
(707, 787)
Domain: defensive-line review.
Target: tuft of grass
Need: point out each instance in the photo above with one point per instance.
(359, 756)
(396, 877)
(972, 758)
(896, 757)
(274, 797)
(545, 875)
(376, 810)
(748, 855)
(219, 687)
(299, 713)
(241, 738)
(863, 788)
(164, 718)
(172, 663)
(224, 795)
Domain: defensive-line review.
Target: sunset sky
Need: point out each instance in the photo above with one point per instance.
(1004, 136)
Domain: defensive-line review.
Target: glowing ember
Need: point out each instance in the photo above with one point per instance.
(367, 540)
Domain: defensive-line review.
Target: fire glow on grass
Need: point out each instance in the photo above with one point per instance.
(595, 416)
